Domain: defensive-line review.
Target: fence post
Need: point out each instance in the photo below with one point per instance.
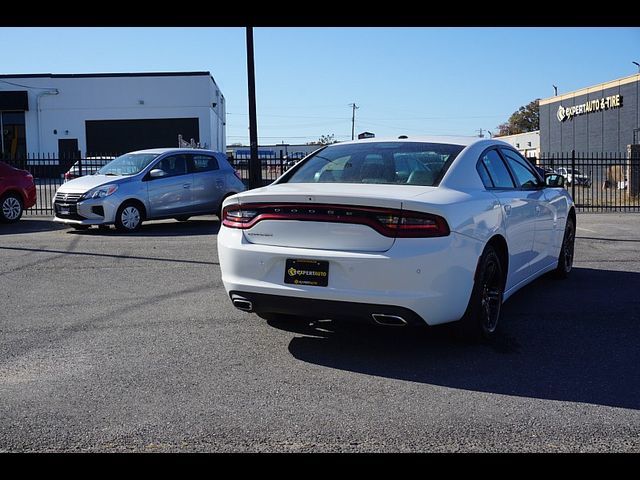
(633, 170)
(573, 175)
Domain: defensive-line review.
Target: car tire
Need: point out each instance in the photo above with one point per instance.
(183, 218)
(11, 208)
(565, 259)
(129, 217)
(481, 319)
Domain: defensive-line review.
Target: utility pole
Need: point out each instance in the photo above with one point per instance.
(480, 134)
(354, 107)
(255, 168)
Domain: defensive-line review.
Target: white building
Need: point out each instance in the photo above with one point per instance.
(528, 144)
(105, 113)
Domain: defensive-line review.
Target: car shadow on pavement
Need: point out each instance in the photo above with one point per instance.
(573, 340)
(27, 225)
(160, 228)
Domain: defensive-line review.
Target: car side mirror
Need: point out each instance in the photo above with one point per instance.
(554, 180)
(157, 173)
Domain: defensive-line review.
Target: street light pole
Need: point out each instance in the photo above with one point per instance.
(255, 168)
(638, 65)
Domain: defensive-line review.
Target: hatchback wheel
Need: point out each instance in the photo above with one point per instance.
(10, 208)
(129, 217)
(483, 312)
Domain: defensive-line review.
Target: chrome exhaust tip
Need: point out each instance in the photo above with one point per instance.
(388, 320)
(242, 304)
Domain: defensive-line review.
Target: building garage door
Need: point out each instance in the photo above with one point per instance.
(121, 136)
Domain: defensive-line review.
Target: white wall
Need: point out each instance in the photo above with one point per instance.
(116, 98)
(521, 142)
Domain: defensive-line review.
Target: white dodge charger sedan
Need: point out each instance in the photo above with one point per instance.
(408, 231)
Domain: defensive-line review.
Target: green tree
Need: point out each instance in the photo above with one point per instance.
(324, 140)
(525, 119)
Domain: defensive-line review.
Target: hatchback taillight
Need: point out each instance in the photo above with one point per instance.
(388, 222)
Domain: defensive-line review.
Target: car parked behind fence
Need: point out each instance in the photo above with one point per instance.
(17, 192)
(87, 166)
(148, 184)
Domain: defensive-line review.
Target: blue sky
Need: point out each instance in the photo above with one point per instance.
(441, 81)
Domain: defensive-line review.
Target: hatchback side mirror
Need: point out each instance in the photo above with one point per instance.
(554, 180)
(157, 173)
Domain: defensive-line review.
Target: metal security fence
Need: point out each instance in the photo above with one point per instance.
(608, 182)
(597, 183)
(51, 171)
(273, 164)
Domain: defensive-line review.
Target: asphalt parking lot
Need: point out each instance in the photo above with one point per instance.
(112, 342)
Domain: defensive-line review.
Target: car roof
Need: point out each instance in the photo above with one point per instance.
(176, 150)
(446, 139)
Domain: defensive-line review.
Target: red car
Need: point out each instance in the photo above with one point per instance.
(17, 192)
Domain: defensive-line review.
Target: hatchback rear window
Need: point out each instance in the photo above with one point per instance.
(404, 163)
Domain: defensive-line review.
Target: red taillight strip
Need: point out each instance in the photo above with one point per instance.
(351, 214)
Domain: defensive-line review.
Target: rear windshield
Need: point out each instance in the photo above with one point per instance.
(408, 163)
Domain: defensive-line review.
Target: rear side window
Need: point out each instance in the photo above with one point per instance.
(525, 176)
(173, 165)
(204, 163)
(497, 170)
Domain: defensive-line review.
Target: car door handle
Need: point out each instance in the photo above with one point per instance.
(507, 209)
(186, 185)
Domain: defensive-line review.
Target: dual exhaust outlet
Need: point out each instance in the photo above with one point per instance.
(380, 318)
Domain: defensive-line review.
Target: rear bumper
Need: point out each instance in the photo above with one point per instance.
(432, 278)
(323, 309)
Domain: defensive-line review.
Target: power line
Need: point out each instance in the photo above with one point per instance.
(291, 116)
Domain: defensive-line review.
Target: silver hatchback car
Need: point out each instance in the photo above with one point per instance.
(148, 184)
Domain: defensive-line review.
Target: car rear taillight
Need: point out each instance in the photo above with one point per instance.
(234, 216)
(388, 222)
(415, 224)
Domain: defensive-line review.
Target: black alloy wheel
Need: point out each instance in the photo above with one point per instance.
(491, 281)
(565, 259)
(481, 319)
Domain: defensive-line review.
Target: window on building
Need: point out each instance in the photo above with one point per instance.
(13, 142)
